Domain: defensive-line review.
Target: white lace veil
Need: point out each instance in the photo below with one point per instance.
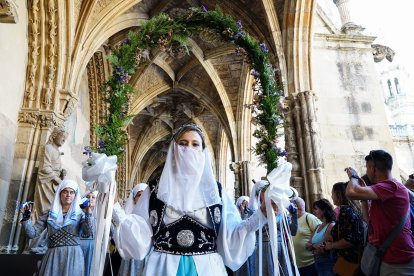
(129, 204)
(187, 182)
(241, 199)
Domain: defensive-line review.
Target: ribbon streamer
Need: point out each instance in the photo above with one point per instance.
(280, 192)
(101, 170)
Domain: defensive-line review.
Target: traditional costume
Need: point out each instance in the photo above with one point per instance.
(248, 268)
(64, 255)
(185, 224)
(132, 267)
(87, 240)
(285, 265)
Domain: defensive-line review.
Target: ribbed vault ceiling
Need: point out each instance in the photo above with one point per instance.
(202, 87)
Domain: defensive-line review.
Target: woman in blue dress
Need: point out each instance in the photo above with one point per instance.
(63, 222)
(87, 239)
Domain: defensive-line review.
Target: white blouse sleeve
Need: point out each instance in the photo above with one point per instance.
(133, 233)
(236, 239)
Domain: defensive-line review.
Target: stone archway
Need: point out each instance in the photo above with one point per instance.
(69, 39)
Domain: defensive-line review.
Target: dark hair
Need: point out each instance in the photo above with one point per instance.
(326, 208)
(189, 127)
(339, 190)
(382, 160)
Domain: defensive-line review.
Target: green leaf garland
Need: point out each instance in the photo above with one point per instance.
(170, 35)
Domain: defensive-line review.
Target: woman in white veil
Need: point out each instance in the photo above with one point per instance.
(132, 267)
(185, 224)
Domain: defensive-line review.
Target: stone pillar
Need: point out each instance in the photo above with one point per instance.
(34, 128)
(348, 26)
(303, 145)
(241, 171)
(297, 180)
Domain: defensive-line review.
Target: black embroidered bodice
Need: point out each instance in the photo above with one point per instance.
(185, 236)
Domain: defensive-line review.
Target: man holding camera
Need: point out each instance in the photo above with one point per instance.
(388, 207)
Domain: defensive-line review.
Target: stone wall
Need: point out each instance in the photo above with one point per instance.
(350, 107)
(13, 57)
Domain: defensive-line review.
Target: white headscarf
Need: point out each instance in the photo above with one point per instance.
(129, 204)
(241, 199)
(56, 215)
(95, 193)
(254, 194)
(187, 182)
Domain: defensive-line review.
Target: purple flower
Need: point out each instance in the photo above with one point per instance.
(239, 24)
(126, 40)
(277, 121)
(203, 8)
(285, 153)
(101, 144)
(239, 34)
(254, 73)
(237, 51)
(263, 48)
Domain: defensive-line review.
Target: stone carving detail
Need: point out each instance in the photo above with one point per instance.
(380, 52)
(8, 12)
(93, 98)
(52, 54)
(34, 36)
(290, 136)
(49, 120)
(70, 106)
(51, 172)
(303, 144)
(242, 177)
(98, 106)
(28, 117)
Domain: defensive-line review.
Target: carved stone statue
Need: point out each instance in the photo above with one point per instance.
(380, 52)
(50, 172)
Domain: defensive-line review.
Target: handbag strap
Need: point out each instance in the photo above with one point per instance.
(394, 233)
(306, 217)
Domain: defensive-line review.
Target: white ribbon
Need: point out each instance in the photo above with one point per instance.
(280, 192)
(101, 169)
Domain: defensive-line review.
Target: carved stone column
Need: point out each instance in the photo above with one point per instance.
(34, 128)
(297, 180)
(303, 145)
(46, 104)
(241, 171)
(98, 106)
(348, 26)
